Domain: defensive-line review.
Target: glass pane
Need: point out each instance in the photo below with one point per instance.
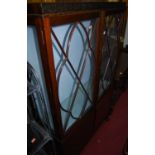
(36, 82)
(109, 52)
(74, 49)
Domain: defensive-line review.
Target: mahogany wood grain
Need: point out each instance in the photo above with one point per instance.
(79, 134)
(103, 106)
(99, 46)
(45, 43)
(70, 17)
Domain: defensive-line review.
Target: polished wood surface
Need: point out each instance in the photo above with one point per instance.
(45, 43)
(99, 46)
(70, 17)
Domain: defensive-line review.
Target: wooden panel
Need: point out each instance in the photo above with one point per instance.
(58, 19)
(98, 55)
(45, 43)
(79, 134)
(103, 107)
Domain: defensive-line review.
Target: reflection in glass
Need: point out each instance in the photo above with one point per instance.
(37, 90)
(110, 51)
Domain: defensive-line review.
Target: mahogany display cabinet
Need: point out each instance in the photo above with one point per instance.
(74, 49)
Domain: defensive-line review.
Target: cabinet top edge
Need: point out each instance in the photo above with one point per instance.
(47, 8)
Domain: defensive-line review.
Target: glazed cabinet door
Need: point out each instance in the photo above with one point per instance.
(74, 48)
(69, 51)
(113, 30)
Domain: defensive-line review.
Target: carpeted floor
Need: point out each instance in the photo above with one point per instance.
(111, 136)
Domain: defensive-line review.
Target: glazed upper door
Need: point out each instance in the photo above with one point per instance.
(74, 48)
(110, 51)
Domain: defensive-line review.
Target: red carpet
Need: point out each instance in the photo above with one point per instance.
(111, 136)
